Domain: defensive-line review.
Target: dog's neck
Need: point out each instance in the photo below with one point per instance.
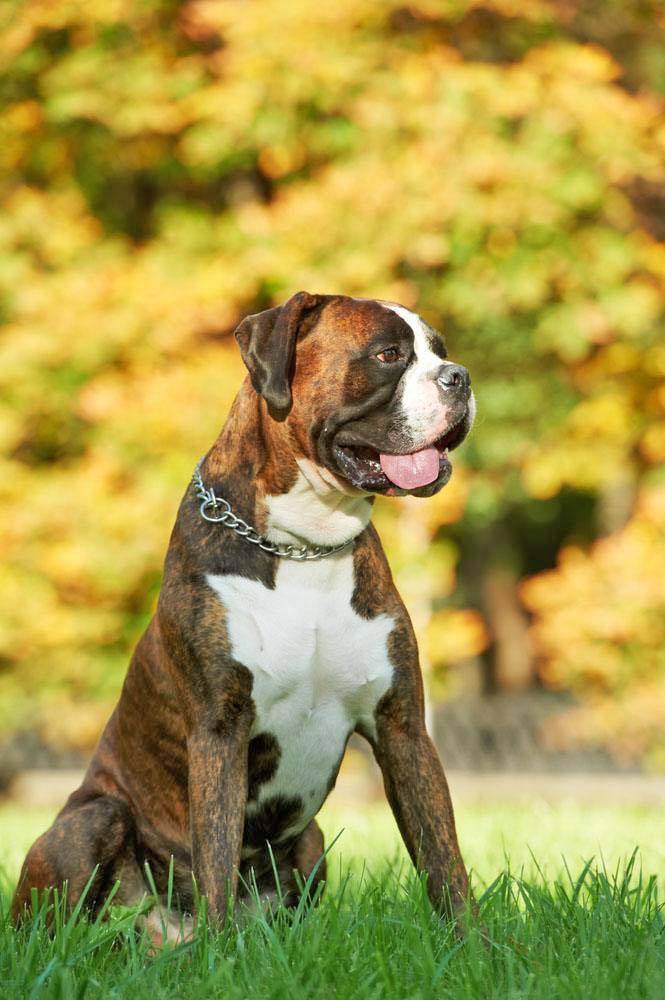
(255, 465)
(314, 510)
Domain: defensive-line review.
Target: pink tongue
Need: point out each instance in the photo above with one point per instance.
(411, 471)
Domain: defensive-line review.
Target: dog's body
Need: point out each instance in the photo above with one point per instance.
(256, 669)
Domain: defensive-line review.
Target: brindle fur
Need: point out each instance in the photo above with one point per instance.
(175, 765)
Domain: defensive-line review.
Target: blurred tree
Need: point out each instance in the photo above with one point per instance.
(169, 166)
(612, 601)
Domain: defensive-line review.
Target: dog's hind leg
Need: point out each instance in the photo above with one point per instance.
(89, 833)
(162, 917)
(291, 870)
(308, 860)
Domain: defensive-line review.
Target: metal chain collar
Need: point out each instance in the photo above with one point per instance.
(217, 510)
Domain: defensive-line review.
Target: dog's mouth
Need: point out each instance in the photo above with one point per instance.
(421, 472)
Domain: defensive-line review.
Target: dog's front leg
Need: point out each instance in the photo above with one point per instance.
(418, 794)
(217, 798)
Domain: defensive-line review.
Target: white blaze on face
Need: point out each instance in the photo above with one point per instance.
(425, 413)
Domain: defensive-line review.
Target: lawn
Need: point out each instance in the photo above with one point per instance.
(567, 912)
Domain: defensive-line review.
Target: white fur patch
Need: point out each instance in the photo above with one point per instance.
(425, 413)
(316, 509)
(167, 927)
(319, 669)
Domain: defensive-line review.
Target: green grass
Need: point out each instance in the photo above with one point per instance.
(592, 931)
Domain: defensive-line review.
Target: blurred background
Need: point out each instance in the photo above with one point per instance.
(168, 167)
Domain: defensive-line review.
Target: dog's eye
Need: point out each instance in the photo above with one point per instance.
(389, 355)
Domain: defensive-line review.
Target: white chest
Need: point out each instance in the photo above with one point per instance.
(318, 668)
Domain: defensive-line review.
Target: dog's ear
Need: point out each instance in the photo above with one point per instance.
(267, 342)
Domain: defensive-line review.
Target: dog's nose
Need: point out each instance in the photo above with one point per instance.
(454, 377)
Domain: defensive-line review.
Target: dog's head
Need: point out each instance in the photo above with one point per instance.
(366, 387)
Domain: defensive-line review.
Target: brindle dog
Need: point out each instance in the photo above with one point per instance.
(243, 691)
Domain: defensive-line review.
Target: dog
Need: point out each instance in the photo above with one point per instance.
(278, 633)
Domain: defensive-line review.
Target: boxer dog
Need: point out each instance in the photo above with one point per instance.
(278, 632)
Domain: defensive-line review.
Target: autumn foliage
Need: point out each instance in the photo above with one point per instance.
(167, 167)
